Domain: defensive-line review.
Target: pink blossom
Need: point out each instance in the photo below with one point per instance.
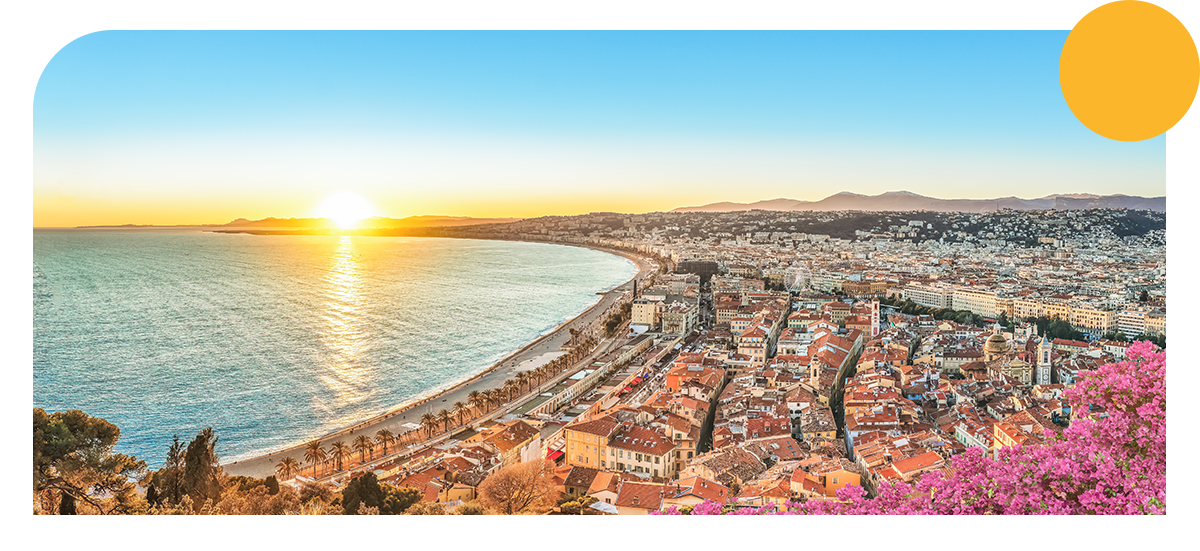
(1111, 460)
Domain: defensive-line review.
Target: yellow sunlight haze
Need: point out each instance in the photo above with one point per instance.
(346, 209)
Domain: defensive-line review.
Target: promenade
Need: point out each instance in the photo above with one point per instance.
(539, 352)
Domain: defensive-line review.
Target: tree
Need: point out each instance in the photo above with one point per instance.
(429, 422)
(287, 467)
(426, 508)
(1144, 297)
(384, 438)
(202, 469)
(314, 453)
(445, 417)
(367, 490)
(260, 501)
(168, 480)
(73, 462)
(524, 488)
(272, 485)
(459, 409)
(496, 397)
(470, 508)
(338, 452)
(363, 444)
(577, 506)
(475, 398)
(315, 490)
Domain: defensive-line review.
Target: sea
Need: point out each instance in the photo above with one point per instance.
(276, 340)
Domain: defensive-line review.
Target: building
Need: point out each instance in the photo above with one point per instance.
(680, 318)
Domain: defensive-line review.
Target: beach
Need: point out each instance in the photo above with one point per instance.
(534, 354)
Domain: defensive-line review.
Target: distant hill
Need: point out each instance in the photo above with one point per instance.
(319, 223)
(906, 200)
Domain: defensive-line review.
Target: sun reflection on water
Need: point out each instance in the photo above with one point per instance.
(347, 374)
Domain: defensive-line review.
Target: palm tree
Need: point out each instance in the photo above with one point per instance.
(338, 451)
(445, 417)
(314, 453)
(475, 398)
(429, 421)
(522, 378)
(510, 386)
(459, 409)
(385, 437)
(362, 445)
(288, 466)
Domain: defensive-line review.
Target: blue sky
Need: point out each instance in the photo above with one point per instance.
(190, 127)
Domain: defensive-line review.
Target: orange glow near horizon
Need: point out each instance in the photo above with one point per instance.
(106, 209)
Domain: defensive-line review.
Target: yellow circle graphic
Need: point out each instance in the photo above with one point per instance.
(1129, 70)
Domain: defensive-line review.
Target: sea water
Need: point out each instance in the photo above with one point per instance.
(275, 340)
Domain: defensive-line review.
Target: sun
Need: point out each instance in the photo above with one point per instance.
(346, 209)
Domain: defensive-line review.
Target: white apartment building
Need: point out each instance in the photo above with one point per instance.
(928, 295)
(979, 301)
(1132, 322)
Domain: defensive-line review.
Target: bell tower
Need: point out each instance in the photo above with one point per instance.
(1043, 363)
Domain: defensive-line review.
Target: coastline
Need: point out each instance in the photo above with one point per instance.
(263, 464)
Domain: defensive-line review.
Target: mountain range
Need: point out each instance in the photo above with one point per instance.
(906, 200)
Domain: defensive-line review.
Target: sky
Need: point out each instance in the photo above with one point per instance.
(189, 127)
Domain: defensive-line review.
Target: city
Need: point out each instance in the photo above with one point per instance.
(754, 365)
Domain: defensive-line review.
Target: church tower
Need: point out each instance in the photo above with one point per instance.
(874, 317)
(1043, 363)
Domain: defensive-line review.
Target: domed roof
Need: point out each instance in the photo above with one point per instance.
(996, 344)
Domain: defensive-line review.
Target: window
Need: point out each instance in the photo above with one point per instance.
(655, 460)
(835, 480)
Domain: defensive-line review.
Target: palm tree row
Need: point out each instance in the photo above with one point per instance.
(479, 402)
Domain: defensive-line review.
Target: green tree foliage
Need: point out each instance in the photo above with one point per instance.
(1055, 328)
(202, 470)
(167, 481)
(367, 490)
(272, 485)
(73, 462)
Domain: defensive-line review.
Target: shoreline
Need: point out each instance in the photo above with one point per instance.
(263, 464)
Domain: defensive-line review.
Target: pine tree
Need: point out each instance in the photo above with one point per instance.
(201, 469)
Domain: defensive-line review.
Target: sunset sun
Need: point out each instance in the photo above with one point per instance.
(345, 209)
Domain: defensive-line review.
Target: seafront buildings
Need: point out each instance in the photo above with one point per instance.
(766, 361)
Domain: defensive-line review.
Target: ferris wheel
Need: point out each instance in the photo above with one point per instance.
(797, 278)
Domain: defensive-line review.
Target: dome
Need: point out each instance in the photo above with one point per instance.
(996, 344)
